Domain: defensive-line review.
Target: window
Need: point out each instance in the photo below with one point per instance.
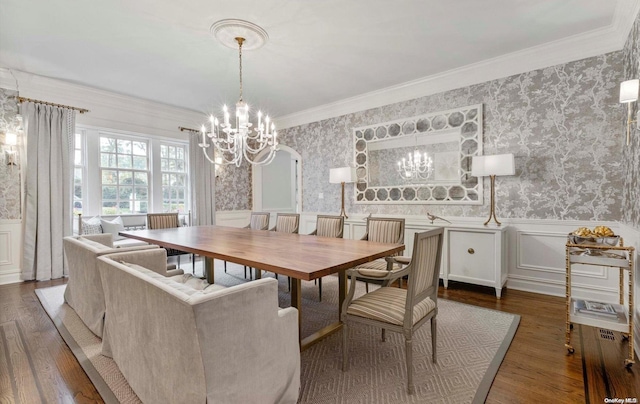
(124, 172)
(78, 172)
(174, 177)
(120, 173)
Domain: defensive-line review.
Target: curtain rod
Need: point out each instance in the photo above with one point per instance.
(183, 129)
(23, 99)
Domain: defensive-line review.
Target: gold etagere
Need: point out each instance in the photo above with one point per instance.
(607, 256)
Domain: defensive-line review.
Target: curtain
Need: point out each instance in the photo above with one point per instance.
(48, 189)
(203, 185)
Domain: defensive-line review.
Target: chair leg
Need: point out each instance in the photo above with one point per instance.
(178, 261)
(289, 283)
(408, 346)
(245, 272)
(344, 346)
(193, 264)
(319, 289)
(384, 335)
(276, 276)
(225, 267)
(366, 286)
(433, 338)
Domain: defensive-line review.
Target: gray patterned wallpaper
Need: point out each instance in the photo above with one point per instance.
(562, 123)
(9, 175)
(631, 154)
(233, 187)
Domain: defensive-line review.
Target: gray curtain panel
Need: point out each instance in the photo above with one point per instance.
(203, 184)
(48, 184)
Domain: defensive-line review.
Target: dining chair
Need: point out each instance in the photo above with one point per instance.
(382, 230)
(169, 221)
(328, 226)
(397, 309)
(287, 223)
(258, 221)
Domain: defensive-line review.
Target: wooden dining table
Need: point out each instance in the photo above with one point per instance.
(300, 257)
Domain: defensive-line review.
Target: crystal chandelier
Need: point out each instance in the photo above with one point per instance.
(236, 139)
(417, 166)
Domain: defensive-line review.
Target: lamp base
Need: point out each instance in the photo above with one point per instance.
(342, 211)
(492, 214)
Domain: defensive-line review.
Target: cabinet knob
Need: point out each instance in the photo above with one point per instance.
(471, 251)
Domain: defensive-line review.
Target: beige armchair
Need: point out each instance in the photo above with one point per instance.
(258, 221)
(169, 221)
(328, 226)
(84, 289)
(382, 230)
(396, 309)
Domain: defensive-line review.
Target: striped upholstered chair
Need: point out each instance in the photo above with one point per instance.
(382, 230)
(258, 221)
(396, 309)
(328, 226)
(169, 221)
(287, 223)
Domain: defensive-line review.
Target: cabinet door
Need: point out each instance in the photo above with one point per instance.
(472, 257)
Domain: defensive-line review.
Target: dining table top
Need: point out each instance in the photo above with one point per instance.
(299, 256)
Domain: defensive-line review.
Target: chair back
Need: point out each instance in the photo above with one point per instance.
(385, 230)
(287, 222)
(162, 220)
(259, 220)
(329, 226)
(425, 267)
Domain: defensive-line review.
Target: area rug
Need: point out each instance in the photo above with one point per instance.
(471, 344)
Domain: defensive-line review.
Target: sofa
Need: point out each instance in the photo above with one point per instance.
(84, 288)
(175, 344)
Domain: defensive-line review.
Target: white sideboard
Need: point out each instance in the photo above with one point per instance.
(473, 253)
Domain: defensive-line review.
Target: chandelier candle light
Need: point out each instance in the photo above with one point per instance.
(418, 166)
(241, 140)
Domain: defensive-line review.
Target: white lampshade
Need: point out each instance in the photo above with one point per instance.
(629, 91)
(498, 164)
(342, 174)
(11, 139)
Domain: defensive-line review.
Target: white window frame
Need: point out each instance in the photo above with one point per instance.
(92, 186)
(82, 167)
(185, 147)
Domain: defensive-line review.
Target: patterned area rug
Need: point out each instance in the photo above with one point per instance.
(472, 342)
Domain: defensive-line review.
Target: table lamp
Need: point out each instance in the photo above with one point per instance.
(498, 164)
(342, 175)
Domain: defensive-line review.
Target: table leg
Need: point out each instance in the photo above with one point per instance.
(342, 291)
(296, 301)
(208, 269)
(258, 273)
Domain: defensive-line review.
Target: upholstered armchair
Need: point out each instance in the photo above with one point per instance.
(84, 288)
(258, 221)
(328, 226)
(397, 309)
(382, 230)
(168, 221)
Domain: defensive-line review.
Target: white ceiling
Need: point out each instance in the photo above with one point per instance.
(318, 52)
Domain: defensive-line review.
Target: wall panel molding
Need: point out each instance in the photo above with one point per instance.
(10, 251)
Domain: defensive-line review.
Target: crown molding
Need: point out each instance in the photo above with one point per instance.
(592, 43)
(107, 109)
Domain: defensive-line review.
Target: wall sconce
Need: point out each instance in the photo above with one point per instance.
(629, 94)
(218, 165)
(11, 141)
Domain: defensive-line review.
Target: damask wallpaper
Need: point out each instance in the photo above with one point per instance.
(233, 187)
(563, 124)
(9, 175)
(631, 154)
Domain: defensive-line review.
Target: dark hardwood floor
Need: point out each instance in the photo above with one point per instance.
(537, 367)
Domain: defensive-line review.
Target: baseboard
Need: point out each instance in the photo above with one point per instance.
(7, 277)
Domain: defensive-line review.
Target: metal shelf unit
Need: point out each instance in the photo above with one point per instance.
(610, 257)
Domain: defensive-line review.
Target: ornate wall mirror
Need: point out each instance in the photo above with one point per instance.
(425, 159)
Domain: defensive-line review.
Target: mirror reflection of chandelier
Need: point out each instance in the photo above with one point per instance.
(417, 167)
(235, 139)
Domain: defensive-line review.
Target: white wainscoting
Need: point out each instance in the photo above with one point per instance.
(10, 251)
